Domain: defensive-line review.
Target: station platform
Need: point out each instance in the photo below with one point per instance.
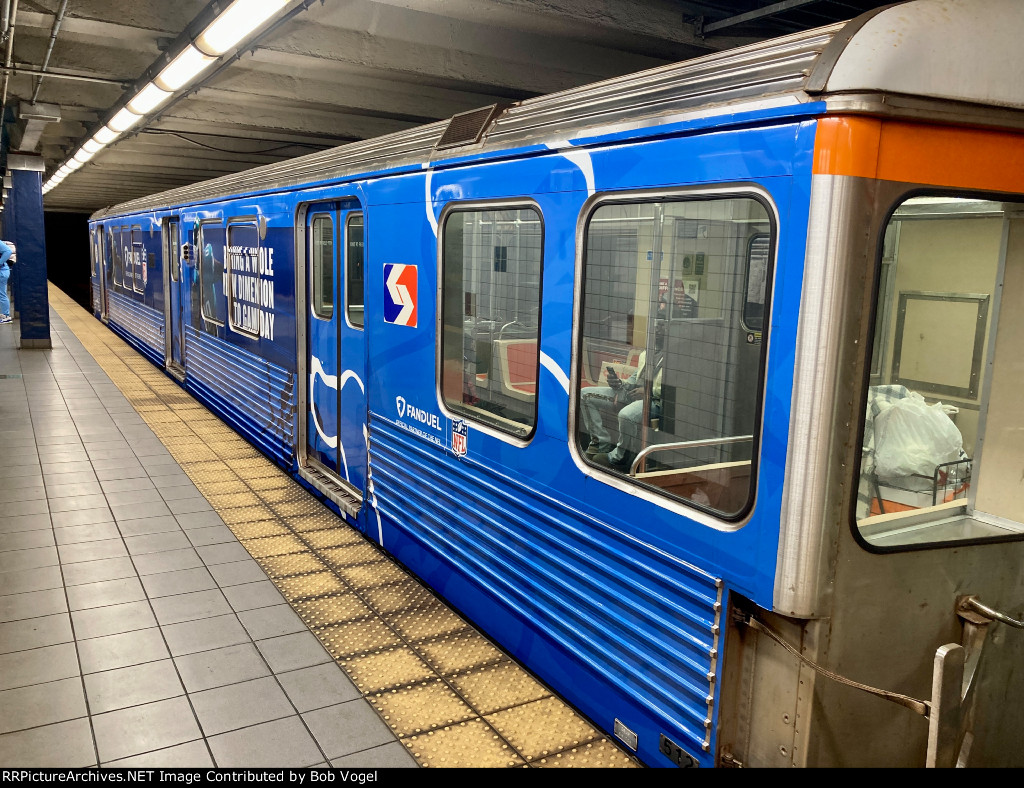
(171, 598)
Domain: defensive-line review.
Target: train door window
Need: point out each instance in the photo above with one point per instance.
(940, 453)
(323, 266)
(491, 298)
(354, 269)
(247, 292)
(173, 249)
(668, 367)
(211, 273)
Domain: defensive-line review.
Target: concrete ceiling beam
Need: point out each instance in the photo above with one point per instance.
(370, 94)
(213, 127)
(415, 46)
(653, 22)
(247, 113)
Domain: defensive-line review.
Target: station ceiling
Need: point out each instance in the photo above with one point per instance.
(327, 72)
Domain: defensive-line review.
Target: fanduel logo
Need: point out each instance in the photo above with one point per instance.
(431, 420)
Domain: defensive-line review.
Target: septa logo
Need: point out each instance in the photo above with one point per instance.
(400, 294)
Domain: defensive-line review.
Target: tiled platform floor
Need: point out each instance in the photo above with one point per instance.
(146, 555)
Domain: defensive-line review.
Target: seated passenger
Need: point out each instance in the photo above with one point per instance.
(593, 402)
(631, 391)
(628, 398)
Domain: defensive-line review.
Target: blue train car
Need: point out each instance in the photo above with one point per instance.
(614, 371)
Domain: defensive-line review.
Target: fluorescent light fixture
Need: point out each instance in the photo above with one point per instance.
(64, 170)
(106, 135)
(184, 68)
(83, 155)
(71, 164)
(238, 21)
(92, 145)
(148, 99)
(124, 120)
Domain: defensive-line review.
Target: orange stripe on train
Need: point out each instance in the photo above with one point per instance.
(920, 153)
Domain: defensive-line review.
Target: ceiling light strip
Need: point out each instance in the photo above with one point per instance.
(225, 32)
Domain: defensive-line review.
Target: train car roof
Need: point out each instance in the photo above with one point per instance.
(908, 59)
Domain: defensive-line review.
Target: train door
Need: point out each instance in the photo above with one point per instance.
(173, 303)
(335, 349)
(103, 262)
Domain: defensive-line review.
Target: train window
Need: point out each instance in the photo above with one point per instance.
(245, 284)
(323, 267)
(119, 262)
(669, 369)
(211, 273)
(137, 254)
(491, 316)
(354, 269)
(940, 457)
(125, 248)
(113, 275)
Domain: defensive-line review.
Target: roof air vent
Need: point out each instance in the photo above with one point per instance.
(467, 128)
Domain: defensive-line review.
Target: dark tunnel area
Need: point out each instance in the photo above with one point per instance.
(67, 254)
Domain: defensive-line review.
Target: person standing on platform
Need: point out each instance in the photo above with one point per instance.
(5, 274)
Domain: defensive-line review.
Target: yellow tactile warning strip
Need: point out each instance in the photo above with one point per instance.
(449, 694)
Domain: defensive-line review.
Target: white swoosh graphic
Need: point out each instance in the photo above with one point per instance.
(580, 158)
(369, 489)
(331, 381)
(348, 375)
(430, 204)
(556, 371)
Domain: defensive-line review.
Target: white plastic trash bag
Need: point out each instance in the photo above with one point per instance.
(912, 437)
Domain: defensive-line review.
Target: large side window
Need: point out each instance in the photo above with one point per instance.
(110, 258)
(245, 286)
(138, 256)
(323, 266)
(121, 270)
(211, 273)
(669, 369)
(941, 452)
(491, 299)
(354, 269)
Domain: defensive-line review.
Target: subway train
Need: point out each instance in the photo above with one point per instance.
(696, 390)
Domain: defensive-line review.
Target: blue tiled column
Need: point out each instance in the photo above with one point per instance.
(23, 225)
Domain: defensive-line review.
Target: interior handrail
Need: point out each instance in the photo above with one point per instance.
(643, 453)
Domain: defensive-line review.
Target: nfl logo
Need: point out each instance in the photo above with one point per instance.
(460, 437)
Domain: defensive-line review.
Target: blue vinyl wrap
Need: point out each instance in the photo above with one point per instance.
(608, 597)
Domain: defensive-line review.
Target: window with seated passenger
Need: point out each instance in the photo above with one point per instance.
(670, 354)
(491, 275)
(941, 453)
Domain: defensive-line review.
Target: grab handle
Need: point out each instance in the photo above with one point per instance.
(973, 604)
